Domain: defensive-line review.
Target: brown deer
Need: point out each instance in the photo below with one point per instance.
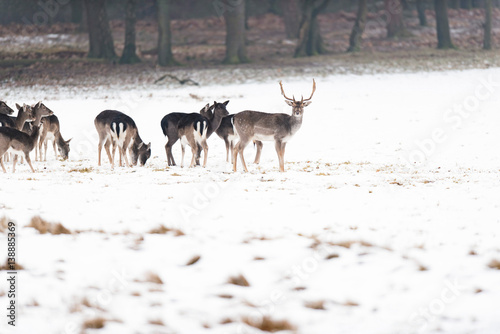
(5, 109)
(23, 115)
(194, 130)
(170, 128)
(51, 131)
(18, 142)
(118, 129)
(280, 128)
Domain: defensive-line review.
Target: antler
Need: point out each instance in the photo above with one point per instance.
(314, 89)
(283, 93)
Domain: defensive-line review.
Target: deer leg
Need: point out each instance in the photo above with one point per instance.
(107, 144)
(183, 152)
(28, 160)
(99, 149)
(1, 163)
(232, 150)
(170, 157)
(124, 152)
(14, 161)
(198, 154)
(45, 144)
(205, 153)
(194, 150)
(240, 148)
(278, 144)
(283, 145)
(226, 141)
(259, 145)
(55, 149)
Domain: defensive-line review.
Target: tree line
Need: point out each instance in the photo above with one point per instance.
(300, 18)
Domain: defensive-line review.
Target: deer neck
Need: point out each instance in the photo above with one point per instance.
(295, 123)
(214, 123)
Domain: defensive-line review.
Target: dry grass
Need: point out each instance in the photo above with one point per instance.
(226, 321)
(82, 170)
(95, 323)
(44, 226)
(331, 256)
(7, 266)
(315, 305)
(225, 296)
(151, 277)
(193, 260)
(157, 322)
(3, 224)
(350, 303)
(267, 324)
(238, 280)
(494, 264)
(164, 230)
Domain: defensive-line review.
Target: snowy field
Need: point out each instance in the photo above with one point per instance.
(386, 221)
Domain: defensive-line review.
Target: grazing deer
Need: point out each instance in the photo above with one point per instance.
(280, 128)
(226, 133)
(194, 130)
(51, 131)
(5, 109)
(116, 128)
(169, 126)
(18, 142)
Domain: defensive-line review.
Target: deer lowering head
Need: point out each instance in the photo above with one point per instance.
(259, 126)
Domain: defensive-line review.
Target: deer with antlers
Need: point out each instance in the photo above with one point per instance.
(260, 126)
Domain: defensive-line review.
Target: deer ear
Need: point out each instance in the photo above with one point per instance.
(207, 107)
(307, 103)
(18, 107)
(225, 103)
(39, 104)
(67, 141)
(290, 103)
(140, 145)
(149, 145)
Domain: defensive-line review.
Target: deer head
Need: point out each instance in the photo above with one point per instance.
(298, 106)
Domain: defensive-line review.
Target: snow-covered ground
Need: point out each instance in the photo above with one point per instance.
(385, 221)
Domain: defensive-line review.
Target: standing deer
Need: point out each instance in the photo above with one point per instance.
(194, 130)
(280, 128)
(51, 131)
(169, 126)
(23, 115)
(118, 129)
(226, 133)
(18, 142)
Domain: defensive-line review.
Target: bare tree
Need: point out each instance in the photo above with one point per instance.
(422, 19)
(395, 25)
(291, 17)
(442, 25)
(310, 41)
(165, 56)
(359, 27)
(129, 55)
(100, 39)
(234, 15)
(487, 25)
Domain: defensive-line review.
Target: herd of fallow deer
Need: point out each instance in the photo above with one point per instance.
(35, 125)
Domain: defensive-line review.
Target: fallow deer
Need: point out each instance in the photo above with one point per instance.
(226, 133)
(51, 131)
(23, 115)
(5, 109)
(18, 142)
(280, 128)
(169, 126)
(117, 129)
(194, 130)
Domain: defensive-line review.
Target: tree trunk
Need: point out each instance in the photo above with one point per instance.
(291, 17)
(129, 56)
(234, 15)
(76, 11)
(422, 19)
(165, 56)
(466, 4)
(310, 41)
(442, 25)
(487, 25)
(100, 38)
(359, 27)
(395, 25)
(455, 4)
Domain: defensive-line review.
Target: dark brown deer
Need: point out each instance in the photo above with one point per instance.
(5, 109)
(194, 130)
(117, 129)
(51, 130)
(23, 115)
(280, 128)
(169, 126)
(18, 142)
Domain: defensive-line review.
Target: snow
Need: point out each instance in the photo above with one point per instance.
(388, 213)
